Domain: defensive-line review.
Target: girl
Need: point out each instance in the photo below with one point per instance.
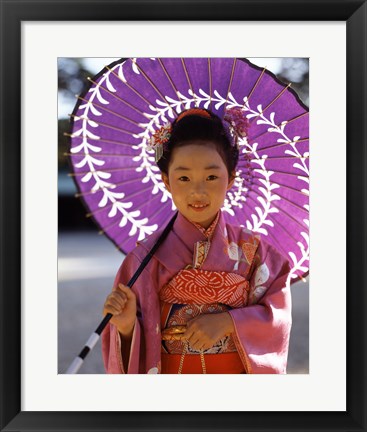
(214, 298)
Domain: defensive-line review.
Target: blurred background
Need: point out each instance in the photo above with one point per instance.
(88, 261)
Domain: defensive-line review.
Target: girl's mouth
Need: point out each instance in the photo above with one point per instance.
(199, 206)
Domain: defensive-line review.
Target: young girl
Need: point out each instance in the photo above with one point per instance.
(214, 298)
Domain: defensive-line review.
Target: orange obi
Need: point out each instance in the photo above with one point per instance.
(226, 363)
(193, 292)
(205, 287)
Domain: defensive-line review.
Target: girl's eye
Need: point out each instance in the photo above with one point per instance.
(184, 178)
(212, 177)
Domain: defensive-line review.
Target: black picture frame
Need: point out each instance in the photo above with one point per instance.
(354, 13)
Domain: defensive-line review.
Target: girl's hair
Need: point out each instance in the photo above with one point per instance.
(200, 125)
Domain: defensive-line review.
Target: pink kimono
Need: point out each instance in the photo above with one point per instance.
(257, 297)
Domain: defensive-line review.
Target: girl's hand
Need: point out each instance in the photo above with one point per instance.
(121, 303)
(205, 330)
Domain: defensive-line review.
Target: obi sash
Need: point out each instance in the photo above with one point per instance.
(193, 292)
(226, 363)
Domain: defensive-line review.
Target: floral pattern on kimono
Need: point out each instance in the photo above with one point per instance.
(262, 328)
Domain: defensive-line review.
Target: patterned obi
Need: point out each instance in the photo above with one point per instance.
(193, 292)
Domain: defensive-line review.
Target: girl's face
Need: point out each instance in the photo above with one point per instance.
(198, 181)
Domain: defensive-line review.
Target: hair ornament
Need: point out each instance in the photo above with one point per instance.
(158, 139)
(194, 111)
(238, 122)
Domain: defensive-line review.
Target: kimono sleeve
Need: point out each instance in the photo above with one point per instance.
(262, 328)
(111, 340)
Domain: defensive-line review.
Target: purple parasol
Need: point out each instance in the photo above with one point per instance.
(130, 99)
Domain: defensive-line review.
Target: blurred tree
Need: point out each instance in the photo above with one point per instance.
(64, 126)
(72, 80)
(72, 77)
(296, 71)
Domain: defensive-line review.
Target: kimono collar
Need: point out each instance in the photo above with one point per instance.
(177, 251)
(208, 232)
(191, 232)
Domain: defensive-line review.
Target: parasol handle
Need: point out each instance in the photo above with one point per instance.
(77, 363)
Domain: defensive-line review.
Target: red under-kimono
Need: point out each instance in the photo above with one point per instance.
(195, 271)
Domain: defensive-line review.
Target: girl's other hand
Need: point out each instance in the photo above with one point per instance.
(121, 303)
(205, 330)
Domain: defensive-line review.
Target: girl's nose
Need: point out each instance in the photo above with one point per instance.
(198, 189)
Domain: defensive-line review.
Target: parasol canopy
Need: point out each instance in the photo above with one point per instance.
(130, 99)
